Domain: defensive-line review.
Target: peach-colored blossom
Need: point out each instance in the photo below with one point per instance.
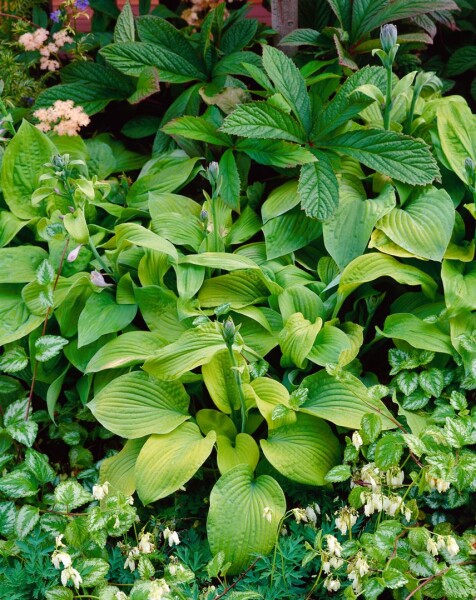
(63, 117)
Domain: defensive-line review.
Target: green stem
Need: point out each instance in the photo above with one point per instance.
(411, 112)
(237, 376)
(388, 100)
(216, 232)
(99, 257)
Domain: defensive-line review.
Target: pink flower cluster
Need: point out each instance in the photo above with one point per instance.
(64, 118)
(38, 40)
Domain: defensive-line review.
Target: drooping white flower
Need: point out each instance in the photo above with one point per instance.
(158, 589)
(100, 491)
(357, 440)
(130, 562)
(172, 537)
(311, 514)
(356, 583)
(299, 515)
(331, 585)
(432, 546)
(439, 484)
(395, 477)
(58, 541)
(452, 546)
(71, 574)
(145, 545)
(268, 514)
(61, 558)
(333, 545)
(362, 565)
(347, 518)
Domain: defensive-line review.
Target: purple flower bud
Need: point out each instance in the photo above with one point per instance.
(73, 255)
(81, 4)
(55, 16)
(98, 280)
(388, 37)
(203, 215)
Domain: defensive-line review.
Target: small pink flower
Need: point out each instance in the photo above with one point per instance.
(98, 280)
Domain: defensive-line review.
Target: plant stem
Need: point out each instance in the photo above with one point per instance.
(236, 580)
(237, 376)
(216, 232)
(99, 257)
(411, 112)
(388, 100)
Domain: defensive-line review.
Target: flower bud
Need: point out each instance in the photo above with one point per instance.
(213, 172)
(73, 255)
(203, 215)
(388, 37)
(229, 331)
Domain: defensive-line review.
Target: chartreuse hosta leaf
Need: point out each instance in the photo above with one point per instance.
(329, 345)
(268, 395)
(304, 450)
(239, 288)
(166, 462)
(194, 348)
(119, 470)
(457, 135)
(220, 381)
(19, 265)
(209, 419)
(418, 333)
(244, 516)
(297, 339)
(342, 401)
(127, 349)
(132, 233)
(280, 200)
(242, 450)
(459, 282)
(374, 265)
(136, 404)
(423, 226)
(300, 299)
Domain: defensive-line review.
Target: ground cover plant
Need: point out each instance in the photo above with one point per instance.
(238, 330)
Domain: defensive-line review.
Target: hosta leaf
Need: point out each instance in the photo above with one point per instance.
(27, 517)
(457, 135)
(263, 120)
(14, 420)
(118, 470)
(289, 232)
(238, 523)
(424, 225)
(220, 260)
(20, 265)
(300, 299)
(276, 153)
(418, 333)
(22, 165)
(342, 401)
(242, 450)
(459, 282)
(269, 394)
(400, 157)
(209, 419)
(239, 289)
(127, 349)
(101, 315)
(132, 233)
(318, 188)
(347, 234)
(194, 348)
(49, 346)
(166, 462)
(374, 265)
(220, 381)
(289, 82)
(329, 345)
(297, 339)
(281, 199)
(303, 451)
(136, 404)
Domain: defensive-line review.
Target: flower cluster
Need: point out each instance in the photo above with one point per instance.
(144, 546)
(61, 558)
(308, 514)
(39, 41)
(63, 117)
(441, 542)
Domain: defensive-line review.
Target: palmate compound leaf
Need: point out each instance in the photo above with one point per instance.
(244, 516)
(303, 451)
(166, 462)
(398, 156)
(136, 404)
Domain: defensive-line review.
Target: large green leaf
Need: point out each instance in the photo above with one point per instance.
(124, 31)
(119, 470)
(329, 345)
(263, 120)
(398, 156)
(22, 165)
(280, 200)
(423, 226)
(197, 128)
(135, 404)
(239, 288)
(193, 349)
(457, 135)
(133, 233)
(16, 321)
(101, 315)
(269, 394)
(459, 282)
(166, 462)
(374, 265)
(300, 299)
(220, 381)
(318, 188)
(289, 232)
(303, 451)
(19, 265)
(127, 349)
(289, 82)
(418, 333)
(342, 401)
(244, 516)
(132, 58)
(347, 234)
(297, 339)
(242, 450)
